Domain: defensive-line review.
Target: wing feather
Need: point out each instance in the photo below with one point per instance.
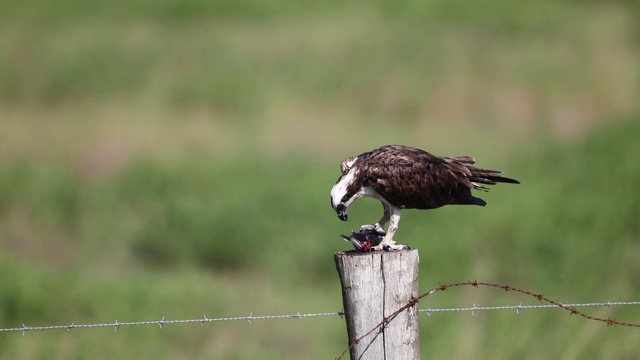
(408, 177)
(412, 178)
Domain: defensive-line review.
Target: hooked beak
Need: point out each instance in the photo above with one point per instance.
(341, 210)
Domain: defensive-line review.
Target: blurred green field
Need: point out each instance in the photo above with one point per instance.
(174, 158)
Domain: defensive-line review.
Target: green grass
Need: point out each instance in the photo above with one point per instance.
(92, 82)
(174, 158)
(243, 67)
(196, 238)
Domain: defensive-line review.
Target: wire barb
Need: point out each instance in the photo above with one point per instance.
(473, 310)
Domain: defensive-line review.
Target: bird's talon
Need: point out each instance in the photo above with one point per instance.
(373, 228)
(391, 247)
(367, 228)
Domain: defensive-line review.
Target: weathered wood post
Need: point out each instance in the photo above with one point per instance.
(375, 285)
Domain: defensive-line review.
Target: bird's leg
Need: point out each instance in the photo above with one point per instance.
(379, 226)
(387, 242)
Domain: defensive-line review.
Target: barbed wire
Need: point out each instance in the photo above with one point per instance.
(517, 308)
(250, 318)
(116, 325)
(572, 308)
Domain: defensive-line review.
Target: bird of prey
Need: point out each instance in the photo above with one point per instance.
(403, 177)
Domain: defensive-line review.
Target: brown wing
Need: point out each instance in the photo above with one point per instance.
(413, 178)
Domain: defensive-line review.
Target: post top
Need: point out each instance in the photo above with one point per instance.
(351, 253)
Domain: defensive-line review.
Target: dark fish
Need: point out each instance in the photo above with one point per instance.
(363, 241)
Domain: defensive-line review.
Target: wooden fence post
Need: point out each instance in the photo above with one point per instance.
(374, 285)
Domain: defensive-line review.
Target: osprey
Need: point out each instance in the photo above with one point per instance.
(403, 177)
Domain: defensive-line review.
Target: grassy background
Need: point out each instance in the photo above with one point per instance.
(174, 158)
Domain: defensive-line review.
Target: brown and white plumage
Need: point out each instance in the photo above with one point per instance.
(403, 177)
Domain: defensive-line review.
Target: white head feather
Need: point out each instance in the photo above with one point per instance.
(339, 190)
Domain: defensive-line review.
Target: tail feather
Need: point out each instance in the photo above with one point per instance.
(462, 159)
(489, 177)
(477, 175)
(492, 180)
(477, 201)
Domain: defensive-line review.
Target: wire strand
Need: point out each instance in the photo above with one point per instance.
(250, 318)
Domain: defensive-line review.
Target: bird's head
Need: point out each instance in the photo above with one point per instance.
(346, 189)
